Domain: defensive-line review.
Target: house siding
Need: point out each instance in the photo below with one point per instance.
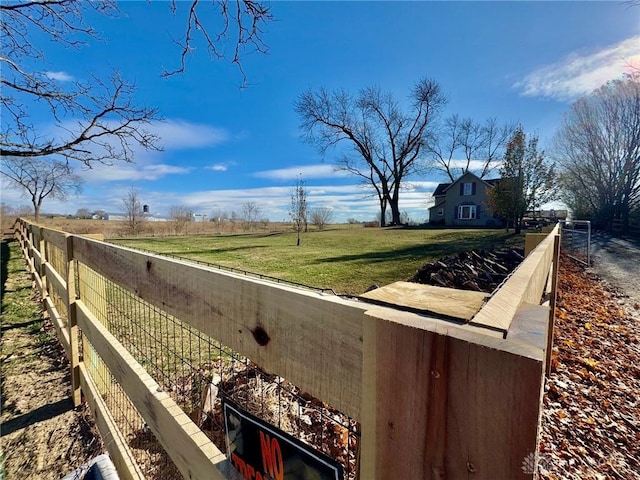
(454, 197)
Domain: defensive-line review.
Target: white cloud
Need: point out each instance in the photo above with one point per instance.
(130, 172)
(307, 171)
(59, 76)
(180, 134)
(220, 167)
(581, 73)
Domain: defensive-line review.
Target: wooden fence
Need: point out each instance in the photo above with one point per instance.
(434, 398)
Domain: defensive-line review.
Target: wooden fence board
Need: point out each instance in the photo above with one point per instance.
(312, 340)
(56, 238)
(193, 454)
(527, 284)
(56, 281)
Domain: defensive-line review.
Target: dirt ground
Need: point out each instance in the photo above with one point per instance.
(43, 436)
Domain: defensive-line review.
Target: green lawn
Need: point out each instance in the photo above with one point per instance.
(347, 260)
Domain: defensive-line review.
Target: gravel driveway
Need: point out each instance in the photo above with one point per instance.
(618, 262)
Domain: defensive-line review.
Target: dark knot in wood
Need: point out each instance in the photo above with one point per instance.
(261, 336)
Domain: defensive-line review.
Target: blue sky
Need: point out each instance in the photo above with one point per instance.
(224, 146)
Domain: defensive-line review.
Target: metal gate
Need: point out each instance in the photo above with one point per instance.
(576, 239)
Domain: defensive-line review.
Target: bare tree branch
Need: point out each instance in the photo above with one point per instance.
(93, 120)
(460, 144)
(245, 23)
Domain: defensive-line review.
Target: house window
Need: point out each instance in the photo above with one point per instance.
(467, 189)
(467, 212)
(440, 212)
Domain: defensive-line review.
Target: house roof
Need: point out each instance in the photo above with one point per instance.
(442, 188)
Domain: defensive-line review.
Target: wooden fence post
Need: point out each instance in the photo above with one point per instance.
(42, 272)
(72, 320)
(447, 403)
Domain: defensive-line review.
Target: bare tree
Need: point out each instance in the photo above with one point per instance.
(41, 178)
(598, 149)
(250, 214)
(385, 142)
(180, 215)
(298, 212)
(97, 120)
(463, 145)
(321, 216)
(83, 213)
(134, 212)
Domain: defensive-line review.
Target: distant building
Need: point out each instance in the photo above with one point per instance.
(197, 217)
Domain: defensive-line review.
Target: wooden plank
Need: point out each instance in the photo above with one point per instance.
(312, 340)
(530, 325)
(552, 302)
(193, 453)
(56, 238)
(448, 407)
(61, 331)
(72, 324)
(525, 285)
(37, 261)
(458, 304)
(119, 451)
(42, 253)
(37, 279)
(56, 281)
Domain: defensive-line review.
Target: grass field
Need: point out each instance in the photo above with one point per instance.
(348, 260)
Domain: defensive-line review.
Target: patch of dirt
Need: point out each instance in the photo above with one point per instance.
(43, 436)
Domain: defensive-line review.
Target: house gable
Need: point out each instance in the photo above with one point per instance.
(463, 202)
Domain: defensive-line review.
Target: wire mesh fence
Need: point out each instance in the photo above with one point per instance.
(58, 261)
(198, 372)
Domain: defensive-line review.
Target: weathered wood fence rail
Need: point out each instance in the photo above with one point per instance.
(434, 398)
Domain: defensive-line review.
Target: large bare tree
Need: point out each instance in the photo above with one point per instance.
(598, 149)
(462, 145)
(41, 178)
(384, 140)
(95, 119)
